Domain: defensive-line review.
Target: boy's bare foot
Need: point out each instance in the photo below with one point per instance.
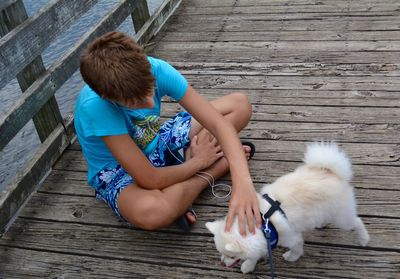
(190, 217)
(247, 151)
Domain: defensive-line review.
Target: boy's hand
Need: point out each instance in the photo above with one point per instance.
(244, 205)
(204, 147)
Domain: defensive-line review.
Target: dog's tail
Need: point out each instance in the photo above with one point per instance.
(328, 155)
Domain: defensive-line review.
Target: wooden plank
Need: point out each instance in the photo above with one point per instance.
(297, 131)
(362, 154)
(58, 73)
(308, 97)
(325, 114)
(194, 251)
(287, 69)
(375, 154)
(11, 15)
(140, 15)
(157, 21)
(325, 35)
(308, 132)
(49, 116)
(343, 115)
(359, 153)
(277, 22)
(365, 176)
(24, 44)
(383, 232)
(330, 8)
(260, 46)
(264, 171)
(204, 52)
(6, 3)
(43, 264)
(14, 195)
(67, 183)
(88, 210)
(81, 208)
(296, 83)
(312, 4)
(354, 20)
(45, 87)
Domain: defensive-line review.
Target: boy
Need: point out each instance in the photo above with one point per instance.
(133, 161)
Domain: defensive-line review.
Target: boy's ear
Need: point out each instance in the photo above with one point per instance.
(233, 247)
(212, 227)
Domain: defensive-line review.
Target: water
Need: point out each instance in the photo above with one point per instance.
(16, 154)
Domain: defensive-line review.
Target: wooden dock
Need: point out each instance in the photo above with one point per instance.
(313, 69)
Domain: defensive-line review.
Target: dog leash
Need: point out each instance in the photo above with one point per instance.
(267, 235)
(269, 230)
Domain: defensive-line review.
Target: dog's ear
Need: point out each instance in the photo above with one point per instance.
(212, 227)
(233, 247)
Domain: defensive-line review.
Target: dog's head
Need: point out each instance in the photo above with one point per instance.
(229, 244)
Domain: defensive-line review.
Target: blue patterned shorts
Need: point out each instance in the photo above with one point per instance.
(173, 138)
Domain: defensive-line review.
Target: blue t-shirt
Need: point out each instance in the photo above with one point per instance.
(96, 117)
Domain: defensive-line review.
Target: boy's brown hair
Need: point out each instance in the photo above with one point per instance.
(116, 68)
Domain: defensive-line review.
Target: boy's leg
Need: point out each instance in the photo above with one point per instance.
(154, 209)
(235, 107)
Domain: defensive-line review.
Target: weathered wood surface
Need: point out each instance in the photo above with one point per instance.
(84, 209)
(46, 86)
(285, 113)
(313, 70)
(264, 170)
(206, 36)
(13, 19)
(24, 44)
(15, 194)
(140, 15)
(310, 3)
(192, 251)
(287, 69)
(57, 137)
(42, 90)
(277, 23)
(153, 26)
(207, 52)
(6, 3)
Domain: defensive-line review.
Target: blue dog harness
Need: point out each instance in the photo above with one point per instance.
(269, 230)
(270, 233)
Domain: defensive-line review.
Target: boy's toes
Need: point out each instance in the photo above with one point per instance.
(249, 148)
(190, 217)
(247, 151)
(187, 220)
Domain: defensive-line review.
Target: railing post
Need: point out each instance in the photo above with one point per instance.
(140, 15)
(47, 119)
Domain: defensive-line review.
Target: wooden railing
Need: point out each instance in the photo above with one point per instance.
(23, 40)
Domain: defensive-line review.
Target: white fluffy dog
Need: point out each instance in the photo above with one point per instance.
(314, 195)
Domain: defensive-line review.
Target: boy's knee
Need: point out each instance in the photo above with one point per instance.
(242, 104)
(152, 213)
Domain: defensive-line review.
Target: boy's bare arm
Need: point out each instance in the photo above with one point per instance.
(243, 203)
(203, 154)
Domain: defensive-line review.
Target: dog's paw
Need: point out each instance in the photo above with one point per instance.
(248, 266)
(290, 256)
(364, 239)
